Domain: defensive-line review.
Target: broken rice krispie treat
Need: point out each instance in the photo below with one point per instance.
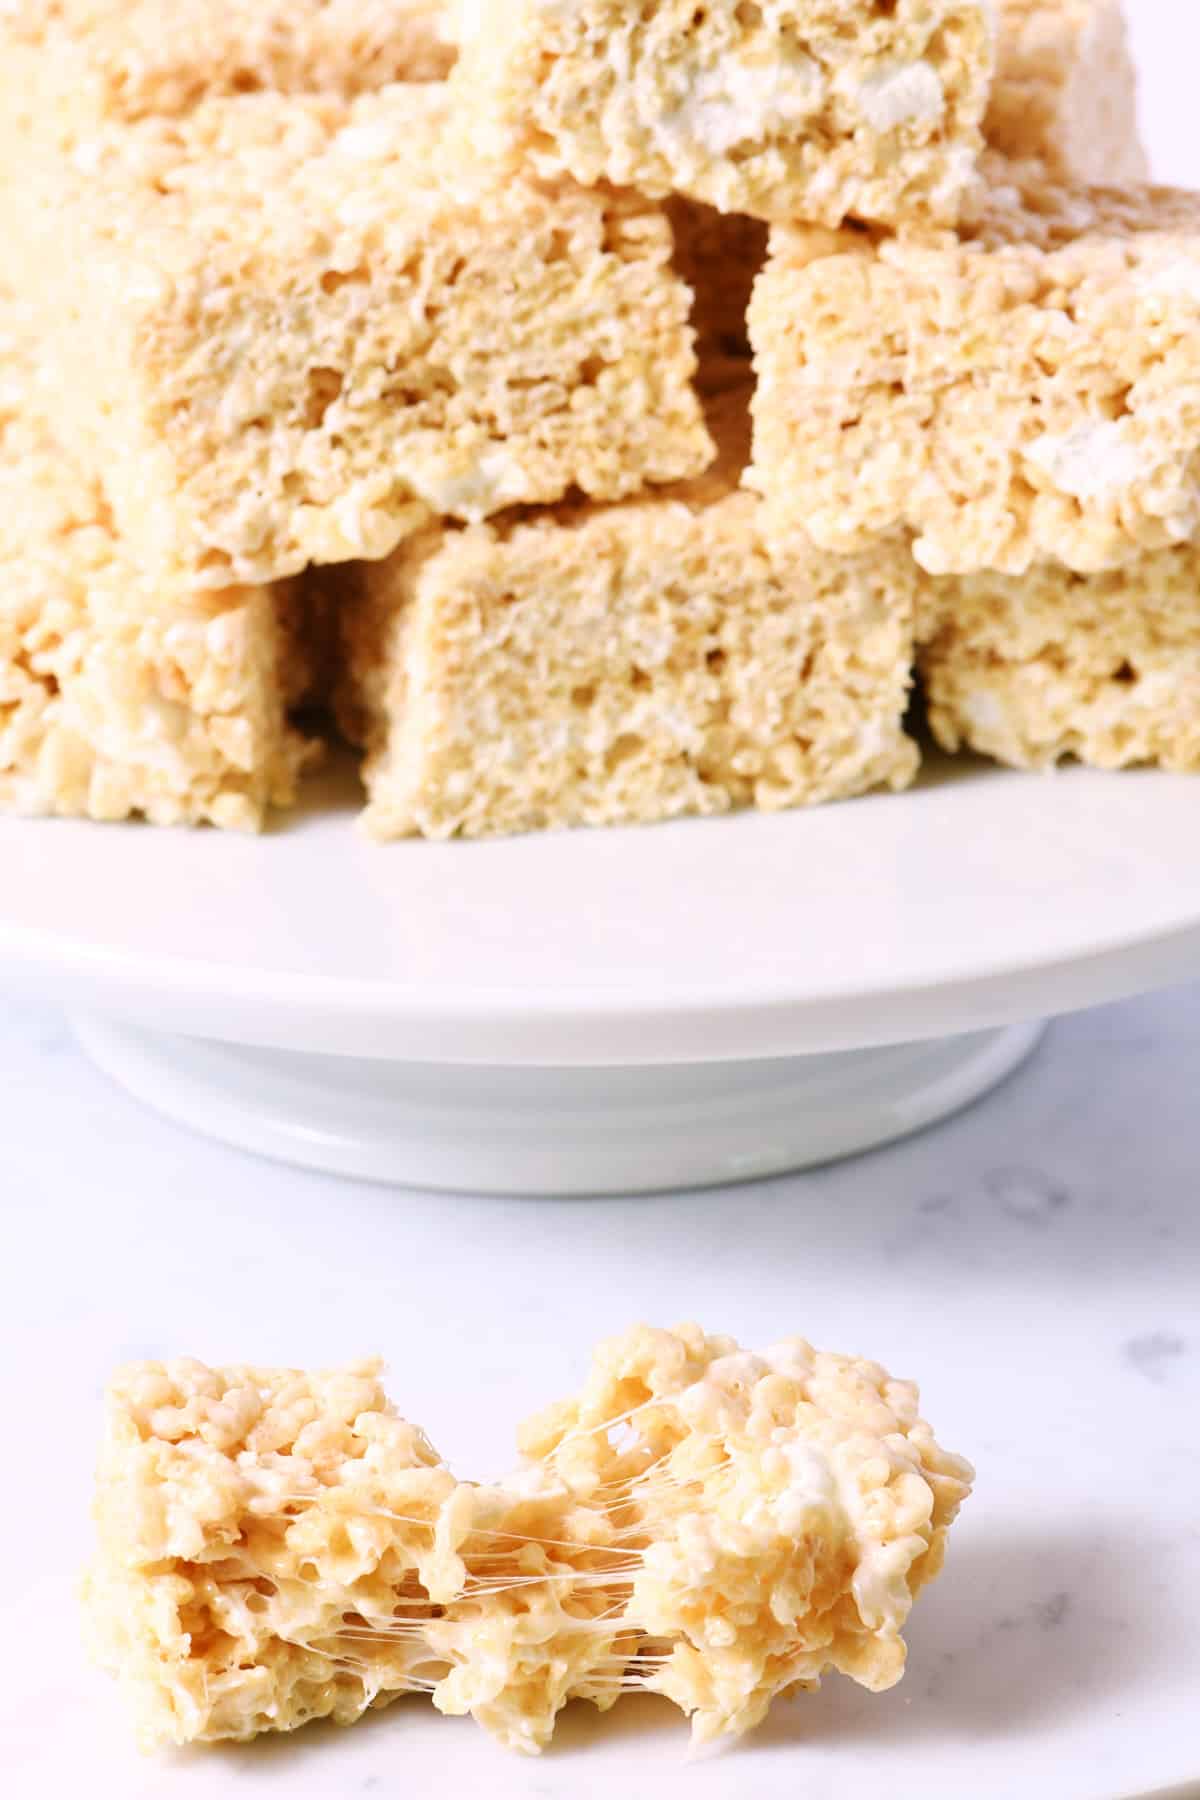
(270, 1544)
(591, 666)
(1066, 90)
(785, 1510)
(1024, 395)
(788, 109)
(721, 1528)
(308, 329)
(1104, 668)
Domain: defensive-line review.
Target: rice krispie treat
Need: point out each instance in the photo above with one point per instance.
(1066, 90)
(591, 666)
(789, 109)
(276, 1547)
(729, 1527)
(1027, 394)
(127, 59)
(1065, 93)
(541, 1620)
(270, 1544)
(784, 1510)
(120, 696)
(1105, 668)
(307, 329)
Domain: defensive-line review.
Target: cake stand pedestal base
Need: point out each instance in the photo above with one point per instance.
(535, 1131)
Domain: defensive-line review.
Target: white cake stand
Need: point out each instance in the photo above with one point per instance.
(604, 1011)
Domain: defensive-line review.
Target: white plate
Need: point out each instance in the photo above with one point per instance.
(476, 1015)
(980, 898)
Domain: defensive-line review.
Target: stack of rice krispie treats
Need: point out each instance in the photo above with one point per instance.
(602, 410)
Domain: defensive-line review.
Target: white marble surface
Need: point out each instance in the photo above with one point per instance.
(1036, 1263)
